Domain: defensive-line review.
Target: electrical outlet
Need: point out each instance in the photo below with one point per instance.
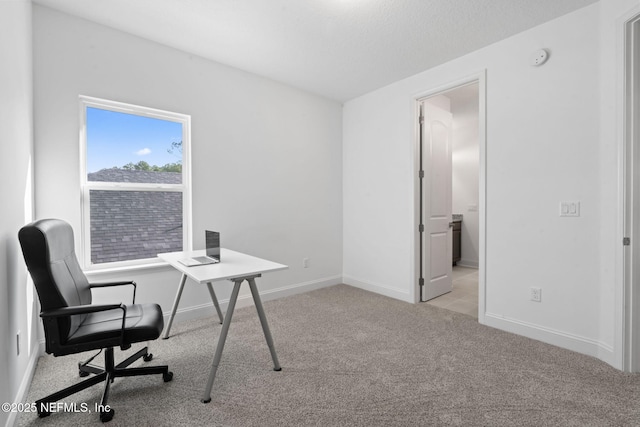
(535, 294)
(305, 262)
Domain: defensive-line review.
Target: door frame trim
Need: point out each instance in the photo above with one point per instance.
(481, 79)
(628, 298)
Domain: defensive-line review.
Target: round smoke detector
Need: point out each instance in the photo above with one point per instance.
(539, 57)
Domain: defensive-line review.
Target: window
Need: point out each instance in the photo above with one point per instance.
(135, 183)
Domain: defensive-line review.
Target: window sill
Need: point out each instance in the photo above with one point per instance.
(113, 271)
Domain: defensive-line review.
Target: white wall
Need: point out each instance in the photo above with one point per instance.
(16, 142)
(266, 158)
(550, 135)
(465, 164)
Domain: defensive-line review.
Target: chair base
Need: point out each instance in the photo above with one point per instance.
(106, 375)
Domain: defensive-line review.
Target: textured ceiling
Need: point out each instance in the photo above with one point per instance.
(339, 49)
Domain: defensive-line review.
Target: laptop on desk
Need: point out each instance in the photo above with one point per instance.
(212, 251)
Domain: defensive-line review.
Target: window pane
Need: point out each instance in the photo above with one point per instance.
(125, 147)
(128, 225)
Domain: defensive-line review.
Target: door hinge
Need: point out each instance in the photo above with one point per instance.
(421, 281)
(421, 119)
(421, 174)
(626, 241)
(421, 228)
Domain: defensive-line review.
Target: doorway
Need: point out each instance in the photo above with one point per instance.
(466, 103)
(465, 160)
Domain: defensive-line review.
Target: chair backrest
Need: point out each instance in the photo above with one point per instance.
(48, 249)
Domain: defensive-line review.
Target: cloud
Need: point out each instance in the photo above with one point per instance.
(143, 152)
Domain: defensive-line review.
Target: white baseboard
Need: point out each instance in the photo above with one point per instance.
(203, 310)
(378, 289)
(21, 394)
(565, 340)
(468, 263)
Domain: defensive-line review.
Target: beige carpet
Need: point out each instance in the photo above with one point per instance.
(352, 358)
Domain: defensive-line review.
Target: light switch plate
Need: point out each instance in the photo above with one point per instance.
(570, 208)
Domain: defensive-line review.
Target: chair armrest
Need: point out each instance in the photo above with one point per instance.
(84, 309)
(80, 309)
(122, 283)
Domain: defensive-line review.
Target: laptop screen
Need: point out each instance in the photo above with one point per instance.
(212, 242)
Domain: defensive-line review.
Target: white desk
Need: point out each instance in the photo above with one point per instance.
(234, 266)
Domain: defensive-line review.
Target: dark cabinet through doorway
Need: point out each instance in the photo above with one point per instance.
(457, 232)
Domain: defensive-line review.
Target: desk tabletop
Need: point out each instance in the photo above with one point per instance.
(232, 265)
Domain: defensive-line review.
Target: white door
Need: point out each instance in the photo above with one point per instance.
(437, 236)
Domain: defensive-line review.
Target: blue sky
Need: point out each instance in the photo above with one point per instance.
(115, 139)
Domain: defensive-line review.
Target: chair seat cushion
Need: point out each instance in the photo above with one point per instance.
(144, 322)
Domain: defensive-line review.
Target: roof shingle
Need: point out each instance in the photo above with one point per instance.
(128, 225)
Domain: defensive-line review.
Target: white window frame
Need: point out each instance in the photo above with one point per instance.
(87, 186)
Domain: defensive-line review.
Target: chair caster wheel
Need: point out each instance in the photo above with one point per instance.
(167, 377)
(106, 416)
(147, 357)
(83, 373)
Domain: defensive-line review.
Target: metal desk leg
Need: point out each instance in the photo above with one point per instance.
(206, 397)
(215, 301)
(263, 321)
(175, 306)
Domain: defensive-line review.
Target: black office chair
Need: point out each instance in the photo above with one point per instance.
(73, 325)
